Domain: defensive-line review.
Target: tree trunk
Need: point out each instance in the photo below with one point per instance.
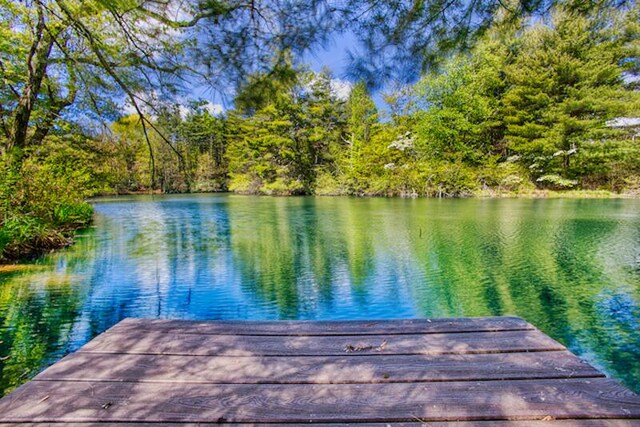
(37, 62)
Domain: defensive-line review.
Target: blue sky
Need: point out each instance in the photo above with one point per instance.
(334, 55)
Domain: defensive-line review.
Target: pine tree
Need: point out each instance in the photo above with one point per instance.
(566, 81)
(362, 118)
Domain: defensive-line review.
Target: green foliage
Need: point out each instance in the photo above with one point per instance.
(327, 184)
(565, 82)
(458, 116)
(44, 200)
(124, 158)
(280, 147)
(361, 126)
(201, 135)
(610, 164)
(556, 182)
(263, 158)
(504, 176)
(526, 108)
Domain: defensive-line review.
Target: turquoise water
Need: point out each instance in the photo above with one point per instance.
(570, 267)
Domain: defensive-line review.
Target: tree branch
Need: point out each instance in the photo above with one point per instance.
(95, 48)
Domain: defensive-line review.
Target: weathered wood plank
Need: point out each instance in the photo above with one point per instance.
(152, 342)
(329, 328)
(45, 401)
(408, 372)
(530, 423)
(83, 366)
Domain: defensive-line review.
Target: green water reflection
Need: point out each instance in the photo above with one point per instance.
(571, 267)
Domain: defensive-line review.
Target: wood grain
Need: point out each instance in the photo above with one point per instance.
(46, 401)
(327, 328)
(525, 423)
(443, 373)
(84, 366)
(152, 342)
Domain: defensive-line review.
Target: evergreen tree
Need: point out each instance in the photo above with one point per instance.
(566, 81)
(362, 118)
(325, 119)
(268, 152)
(203, 135)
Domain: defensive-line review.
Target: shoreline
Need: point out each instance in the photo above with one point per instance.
(481, 194)
(52, 239)
(65, 236)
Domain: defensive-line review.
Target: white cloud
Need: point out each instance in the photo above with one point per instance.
(630, 78)
(341, 89)
(129, 109)
(184, 111)
(213, 109)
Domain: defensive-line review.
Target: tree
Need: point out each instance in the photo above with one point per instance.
(203, 135)
(285, 132)
(325, 113)
(401, 40)
(362, 116)
(91, 54)
(127, 155)
(59, 53)
(77, 53)
(566, 81)
(460, 113)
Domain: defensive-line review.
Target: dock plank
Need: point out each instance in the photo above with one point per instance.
(443, 373)
(326, 328)
(523, 423)
(152, 342)
(162, 402)
(83, 366)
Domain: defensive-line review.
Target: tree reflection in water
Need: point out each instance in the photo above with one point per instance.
(568, 266)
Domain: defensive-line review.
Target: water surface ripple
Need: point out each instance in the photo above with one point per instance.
(570, 267)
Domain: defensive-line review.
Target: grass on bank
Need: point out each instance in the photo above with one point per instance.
(42, 203)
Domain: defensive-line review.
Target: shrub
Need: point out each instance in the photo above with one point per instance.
(328, 185)
(555, 182)
(42, 202)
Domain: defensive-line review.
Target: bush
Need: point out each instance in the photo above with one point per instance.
(506, 176)
(245, 183)
(451, 180)
(23, 236)
(555, 182)
(42, 202)
(283, 187)
(328, 185)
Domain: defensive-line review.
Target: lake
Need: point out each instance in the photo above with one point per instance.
(571, 267)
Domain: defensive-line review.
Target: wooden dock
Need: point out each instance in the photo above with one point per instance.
(498, 371)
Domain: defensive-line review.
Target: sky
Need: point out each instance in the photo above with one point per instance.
(334, 55)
